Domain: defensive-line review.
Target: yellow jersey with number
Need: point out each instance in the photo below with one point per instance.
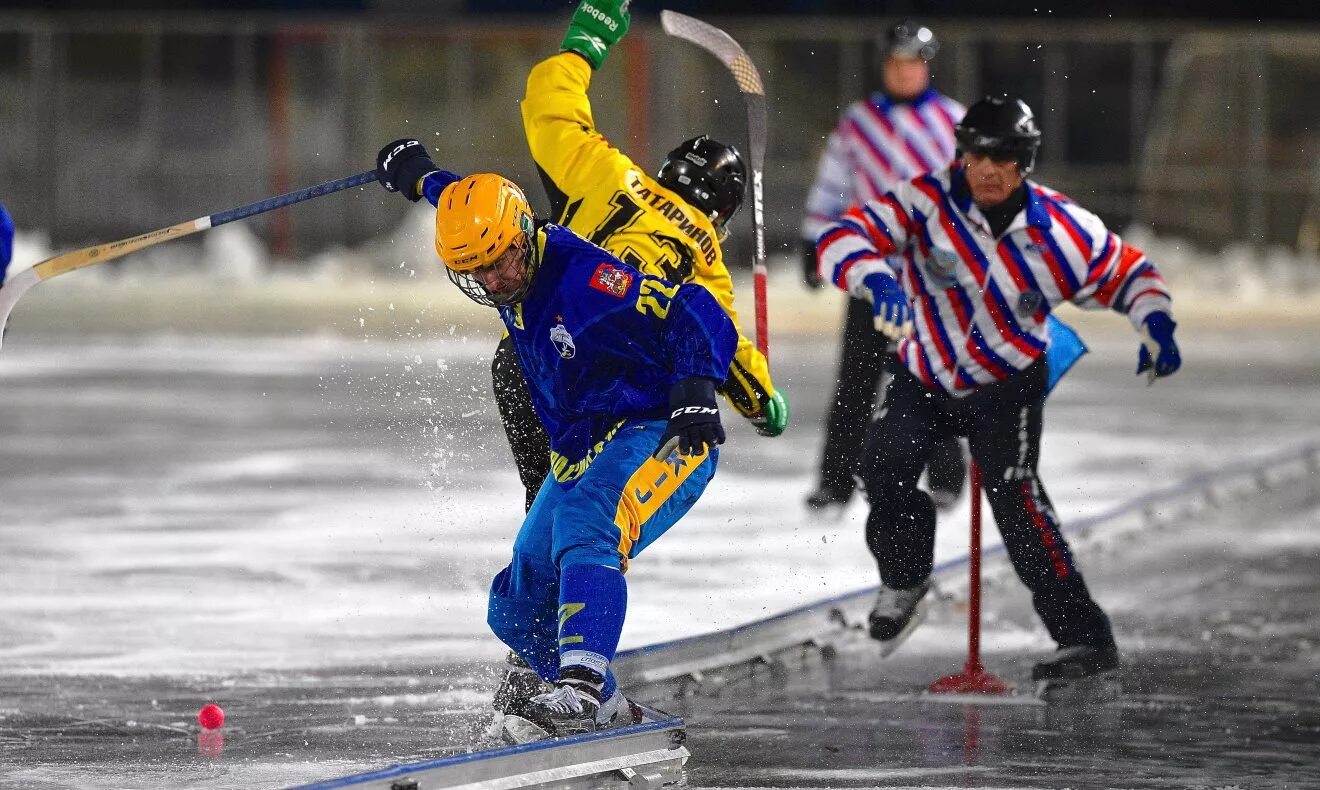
(600, 194)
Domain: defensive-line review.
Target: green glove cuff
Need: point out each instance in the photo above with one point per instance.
(774, 417)
(597, 25)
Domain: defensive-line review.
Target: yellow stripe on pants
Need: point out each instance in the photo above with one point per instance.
(647, 490)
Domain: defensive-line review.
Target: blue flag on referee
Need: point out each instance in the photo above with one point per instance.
(1065, 348)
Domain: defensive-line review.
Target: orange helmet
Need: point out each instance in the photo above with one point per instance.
(476, 220)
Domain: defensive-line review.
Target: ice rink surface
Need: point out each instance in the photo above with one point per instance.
(302, 529)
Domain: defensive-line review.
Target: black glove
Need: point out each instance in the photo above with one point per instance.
(810, 274)
(694, 419)
(401, 164)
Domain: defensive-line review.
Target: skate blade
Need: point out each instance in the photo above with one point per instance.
(888, 646)
(1105, 687)
(516, 730)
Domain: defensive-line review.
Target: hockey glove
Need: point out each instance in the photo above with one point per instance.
(1157, 340)
(810, 272)
(694, 419)
(773, 418)
(597, 25)
(401, 166)
(893, 314)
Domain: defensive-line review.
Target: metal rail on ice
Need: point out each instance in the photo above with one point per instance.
(643, 756)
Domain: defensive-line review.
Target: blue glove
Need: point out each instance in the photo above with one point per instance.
(1157, 332)
(893, 314)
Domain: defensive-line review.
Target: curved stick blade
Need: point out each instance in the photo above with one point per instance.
(11, 293)
(719, 44)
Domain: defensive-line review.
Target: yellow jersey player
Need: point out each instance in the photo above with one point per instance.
(669, 226)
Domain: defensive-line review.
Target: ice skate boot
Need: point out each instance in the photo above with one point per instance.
(1077, 669)
(828, 501)
(1076, 661)
(517, 688)
(568, 709)
(896, 613)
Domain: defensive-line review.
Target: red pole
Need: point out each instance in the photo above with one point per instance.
(637, 77)
(277, 97)
(974, 571)
(973, 679)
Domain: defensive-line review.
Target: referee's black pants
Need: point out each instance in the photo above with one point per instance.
(860, 367)
(1002, 423)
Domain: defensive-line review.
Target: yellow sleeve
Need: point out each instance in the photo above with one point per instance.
(561, 132)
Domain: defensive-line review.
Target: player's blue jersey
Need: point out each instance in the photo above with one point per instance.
(601, 343)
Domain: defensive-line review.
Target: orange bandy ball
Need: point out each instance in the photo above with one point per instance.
(211, 716)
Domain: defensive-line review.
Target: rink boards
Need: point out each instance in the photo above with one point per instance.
(652, 754)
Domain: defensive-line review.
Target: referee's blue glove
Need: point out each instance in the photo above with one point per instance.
(1157, 340)
(893, 313)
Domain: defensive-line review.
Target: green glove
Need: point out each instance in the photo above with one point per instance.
(773, 419)
(597, 25)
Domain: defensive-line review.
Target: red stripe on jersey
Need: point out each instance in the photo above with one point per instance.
(933, 332)
(1083, 249)
(877, 156)
(1006, 330)
(950, 225)
(1011, 266)
(1056, 271)
(918, 161)
(1131, 257)
(889, 201)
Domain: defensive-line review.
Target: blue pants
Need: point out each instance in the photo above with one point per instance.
(622, 504)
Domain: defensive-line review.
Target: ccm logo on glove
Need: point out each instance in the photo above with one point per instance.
(694, 419)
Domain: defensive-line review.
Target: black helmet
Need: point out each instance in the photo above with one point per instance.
(908, 39)
(1000, 127)
(709, 175)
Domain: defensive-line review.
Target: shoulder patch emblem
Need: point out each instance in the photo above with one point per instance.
(612, 281)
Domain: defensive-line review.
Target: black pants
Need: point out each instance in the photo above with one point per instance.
(527, 436)
(860, 368)
(1002, 423)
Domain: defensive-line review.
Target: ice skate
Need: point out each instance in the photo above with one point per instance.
(1074, 670)
(828, 500)
(895, 614)
(517, 688)
(570, 709)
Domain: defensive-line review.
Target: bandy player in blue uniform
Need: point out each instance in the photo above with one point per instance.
(622, 369)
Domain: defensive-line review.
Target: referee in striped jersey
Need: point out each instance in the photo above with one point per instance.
(902, 131)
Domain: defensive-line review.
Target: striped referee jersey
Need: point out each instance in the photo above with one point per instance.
(980, 303)
(878, 143)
